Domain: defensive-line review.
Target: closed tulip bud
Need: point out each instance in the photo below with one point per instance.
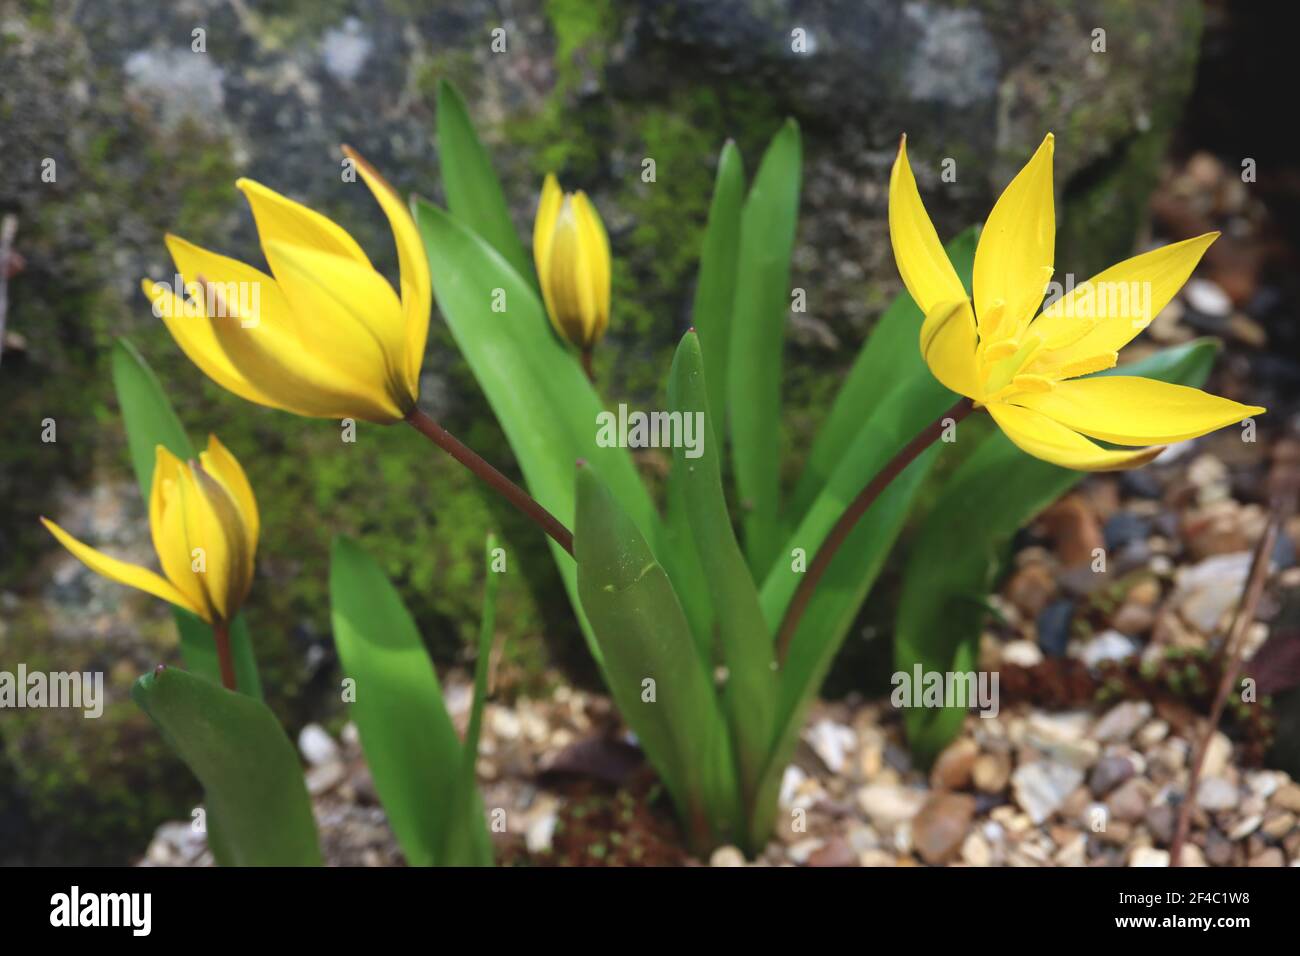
(571, 252)
(325, 335)
(204, 523)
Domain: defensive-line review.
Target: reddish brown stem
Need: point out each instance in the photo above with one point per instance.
(587, 366)
(494, 479)
(221, 634)
(1233, 646)
(849, 519)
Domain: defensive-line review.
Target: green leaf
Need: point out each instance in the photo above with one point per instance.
(249, 770)
(988, 498)
(661, 687)
(750, 692)
(486, 631)
(410, 744)
(151, 421)
(149, 417)
(474, 193)
(715, 289)
(539, 393)
(758, 340)
(890, 357)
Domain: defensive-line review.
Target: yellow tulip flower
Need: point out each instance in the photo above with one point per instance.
(571, 251)
(1023, 365)
(204, 522)
(325, 335)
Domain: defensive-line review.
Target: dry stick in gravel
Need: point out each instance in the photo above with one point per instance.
(1232, 649)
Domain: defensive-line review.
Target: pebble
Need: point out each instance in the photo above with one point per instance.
(1216, 793)
(1040, 787)
(1151, 734)
(1121, 721)
(324, 778)
(886, 805)
(1133, 619)
(1192, 856)
(1148, 856)
(1161, 820)
(1207, 297)
(1204, 591)
(727, 856)
(991, 772)
(953, 767)
(1288, 797)
(1053, 626)
(541, 832)
(1245, 827)
(1269, 857)
(836, 852)
(1108, 774)
(1031, 588)
(1130, 801)
(975, 850)
(317, 746)
(941, 825)
(1218, 848)
(1109, 645)
(832, 742)
(1218, 753)
(1021, 653)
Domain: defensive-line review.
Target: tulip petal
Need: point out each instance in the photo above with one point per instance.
(220, 532)
(595, 243)
(168, 531)
(1129, 410)
(924, 266)
(1036, 434)
(197, 339)
(413, 262)
(548, 211)
(123, 572)
(948, 346)
(1013, 261)
(357, 324)
(571, 273)
(262, 339)
(1119, 302)
(218, 462)
(280, 219)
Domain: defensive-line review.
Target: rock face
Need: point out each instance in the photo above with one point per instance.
(143, 131)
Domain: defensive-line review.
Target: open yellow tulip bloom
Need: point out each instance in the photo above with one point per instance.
(325, 335)
(204, 522)
(1024, 365)
(571, 252)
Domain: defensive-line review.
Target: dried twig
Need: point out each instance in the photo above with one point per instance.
(8, 227)
(1232, 652)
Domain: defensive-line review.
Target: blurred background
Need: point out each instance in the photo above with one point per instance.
(147, 133)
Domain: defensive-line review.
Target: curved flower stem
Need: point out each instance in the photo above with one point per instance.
(849, 519)
(588, 367)
(494, 479)
(221, 634)
(1233, 648)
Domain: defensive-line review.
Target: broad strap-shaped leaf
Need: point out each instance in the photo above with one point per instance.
(750, 692)
(849, 578)
(888, 359)
(715, 289)
(992, 494)
(474, 193)
(410, 744)
(539, 393)
(249, 769)
(151, 421)
(762, 301)
(661, 687)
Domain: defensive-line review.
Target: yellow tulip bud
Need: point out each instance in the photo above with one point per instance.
(571, 252)
(205, 525)
(325, 335)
